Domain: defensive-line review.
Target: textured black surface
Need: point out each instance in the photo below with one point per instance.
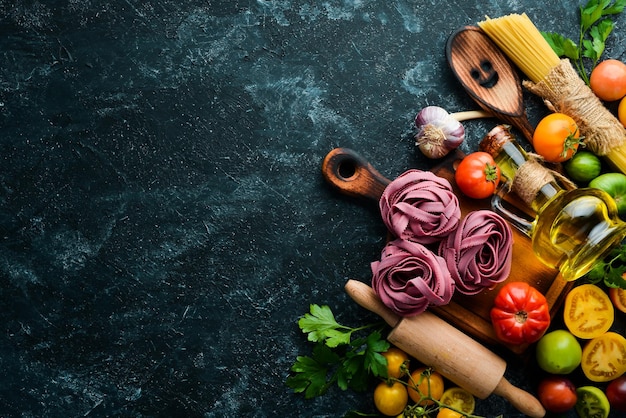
(163, 218)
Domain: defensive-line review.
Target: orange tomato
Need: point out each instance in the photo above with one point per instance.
(428, 384)
(556, 137)
(396, 358)
(604, 357)
(618, 297)
(608, 80)
(621, 111)
(391, 399)
(588, 311)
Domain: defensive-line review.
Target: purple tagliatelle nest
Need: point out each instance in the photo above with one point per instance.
(478, 254)
(420, 206)
(409, 278)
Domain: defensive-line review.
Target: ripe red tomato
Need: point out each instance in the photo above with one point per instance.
(477, 175)
(616, 393)
(608, 80)
(557, 394)
(520, 313)
(556, 137)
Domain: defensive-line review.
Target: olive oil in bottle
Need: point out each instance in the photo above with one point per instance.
(573, 228)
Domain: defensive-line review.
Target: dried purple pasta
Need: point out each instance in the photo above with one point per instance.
(479, 253)
(420, 206)
(409, 278)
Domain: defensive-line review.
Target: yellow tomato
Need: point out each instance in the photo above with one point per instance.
(448, 413)
(588, 311)
(391, 399)
(604, 357)
(396, 358)
(459, 398)
(429, 385)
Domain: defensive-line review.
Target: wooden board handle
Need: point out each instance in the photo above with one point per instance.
(352, 174)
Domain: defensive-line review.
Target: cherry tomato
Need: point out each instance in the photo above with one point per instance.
(429, 383)
(604, 357)
(616, 393)
(448, 413)
(458, 398)
(477, 175)
(588, 311)
(621, 111)
(558, 352)
(618, 297)
(556, 137)
(557, 394)
(391, 399)
(520, 313)
(592, 403)
(608, 80)
(397, 362)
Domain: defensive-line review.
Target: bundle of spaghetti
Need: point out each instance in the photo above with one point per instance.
(556, 81)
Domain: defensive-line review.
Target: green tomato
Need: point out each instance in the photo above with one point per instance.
(592, 403)
(559, 352)
(615, 185)
(583, 167)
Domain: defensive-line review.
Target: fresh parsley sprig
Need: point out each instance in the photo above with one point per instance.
(594, 30)
(611, 270)
(342, 354)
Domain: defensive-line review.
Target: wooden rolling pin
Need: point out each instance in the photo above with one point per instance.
(458, 357)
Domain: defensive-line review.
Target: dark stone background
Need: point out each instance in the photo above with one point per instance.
(163, 218)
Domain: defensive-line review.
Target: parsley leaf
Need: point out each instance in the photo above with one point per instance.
(593, 33)
(611, 270)
(320, 324)
(337, 357)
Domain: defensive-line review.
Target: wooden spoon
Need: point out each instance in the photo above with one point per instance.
(488, 76)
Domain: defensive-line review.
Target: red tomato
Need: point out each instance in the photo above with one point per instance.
(616, 393)
(557, 394)
(520, 313)
(477, 175)
(608, 80)
(556, 137)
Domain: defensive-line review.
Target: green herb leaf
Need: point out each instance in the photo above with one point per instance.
(320, 325)
(593, 33)
(614, 9)
(562, 46)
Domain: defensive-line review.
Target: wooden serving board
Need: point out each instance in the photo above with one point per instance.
(468, 313)
(471, 313)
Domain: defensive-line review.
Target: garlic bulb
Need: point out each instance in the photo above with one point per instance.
(439, 132)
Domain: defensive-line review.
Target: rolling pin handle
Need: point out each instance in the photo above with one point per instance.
(365, 296)
(520, 399)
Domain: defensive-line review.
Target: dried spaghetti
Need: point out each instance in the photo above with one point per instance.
(559, 85)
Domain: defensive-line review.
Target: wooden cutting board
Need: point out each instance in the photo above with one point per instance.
(471, 313)
(468, 313)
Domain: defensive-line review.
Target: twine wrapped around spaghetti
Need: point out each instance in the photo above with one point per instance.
(557, 83)
(564, 91)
